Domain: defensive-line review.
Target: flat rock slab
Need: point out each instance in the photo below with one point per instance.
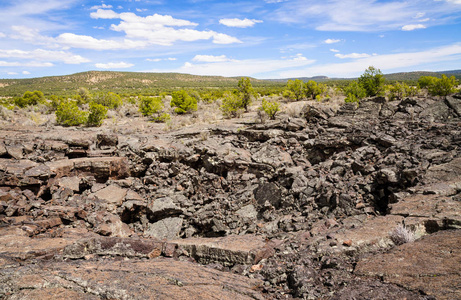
(161, 278)
(229, 250)
(15, 243)
(100, 167)
(434, 210)
(431, 265)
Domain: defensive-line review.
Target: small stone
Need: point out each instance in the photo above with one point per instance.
(347, 243)
(360, 205)
(255, 268)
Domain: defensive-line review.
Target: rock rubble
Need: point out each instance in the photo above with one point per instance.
(292, 208)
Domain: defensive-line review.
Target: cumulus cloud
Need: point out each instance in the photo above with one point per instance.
(334, 50)
(352, 55)
(2, 35)
(413, 27)
(25, 72)
(211, 58)
(104, 14)
(88, 42)
(331, 41)
(114, 65)
(239, 22)
(44, 55)
(100, 6)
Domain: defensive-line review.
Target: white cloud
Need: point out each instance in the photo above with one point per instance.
(25, 64)
(211, 58)
(44, 55)
(413, 27)
(352, 55)
(140, 32)
(100, 6)
(104, 14)
(454, 1)
(299, 57)
(25, 72)
(334, 50)
(117, 65)
(2, 35)
(88, 42)
(239, 22)
(160, 59)
(331, 41)
(12, 73)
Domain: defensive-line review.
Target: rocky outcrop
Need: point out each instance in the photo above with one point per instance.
(304, 207)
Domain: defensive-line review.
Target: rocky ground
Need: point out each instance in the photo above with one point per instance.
(349, 203)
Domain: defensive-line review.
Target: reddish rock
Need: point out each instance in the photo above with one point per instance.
(431, 265)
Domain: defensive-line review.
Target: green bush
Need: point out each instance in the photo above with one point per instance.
(399, 91)
(30, 98)
(68, 114)
(443, 86)
(246, 92)
(150, 105)
(372, 80)
(295, 89)
(231, 106)
(313, 89)
(270, 108)
(425, 81)
(84, 94)
(183, 102)
(97, 114)
(109, 99)
(163, 118)
(354, 92)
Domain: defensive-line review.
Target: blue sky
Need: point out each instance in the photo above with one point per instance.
(259, 38)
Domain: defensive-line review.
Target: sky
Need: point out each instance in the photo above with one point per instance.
(259, 38)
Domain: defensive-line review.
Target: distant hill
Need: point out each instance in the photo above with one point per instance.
(402, 76)
(118, 82)
(150, 83)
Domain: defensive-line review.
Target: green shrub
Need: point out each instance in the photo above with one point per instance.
(150, 105)
(443, 86)
(183, 102)
(97, 114)
(270, 108)
(295, 89)
(372, 80)
(313, 89)
(163, 118)
(231, 106)
(425, 81)
(246, 92)
(84, 94)
(399, 91)
(109, 99)
(354, 92)
(68, 114)
(30, 98)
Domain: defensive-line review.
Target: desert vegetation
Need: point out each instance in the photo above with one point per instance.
(87, 108)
